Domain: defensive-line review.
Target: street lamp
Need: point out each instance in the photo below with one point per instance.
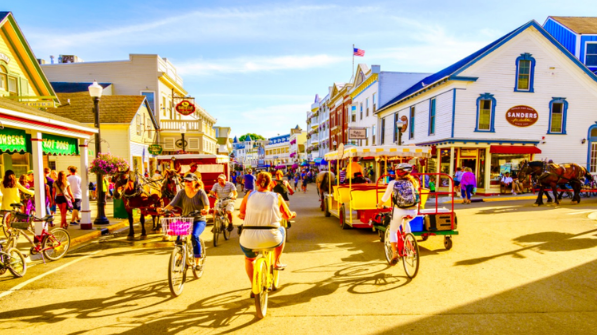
(399, 125)
(183, 130)
(95, 91)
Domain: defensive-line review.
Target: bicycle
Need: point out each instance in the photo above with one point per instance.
(12, 260)
(221, 221)
(52, 244)
(265, 278)
(182, 256)
(408, 249)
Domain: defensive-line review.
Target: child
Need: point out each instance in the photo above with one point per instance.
(431, 188)
(305, 184)
(296, 180)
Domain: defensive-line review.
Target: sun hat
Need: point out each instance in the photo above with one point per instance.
(190, 177)
(223, 176)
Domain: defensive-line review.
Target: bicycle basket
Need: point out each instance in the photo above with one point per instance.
(177, 226)
(20, 221)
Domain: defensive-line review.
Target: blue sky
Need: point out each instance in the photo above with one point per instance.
(256, 66)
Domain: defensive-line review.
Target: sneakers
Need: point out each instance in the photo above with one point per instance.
(74, 223)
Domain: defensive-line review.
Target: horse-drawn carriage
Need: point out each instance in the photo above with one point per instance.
(149, 194)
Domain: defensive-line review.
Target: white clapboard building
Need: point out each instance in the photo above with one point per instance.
(524, 96)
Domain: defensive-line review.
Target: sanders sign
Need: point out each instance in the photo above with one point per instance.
(522, 116)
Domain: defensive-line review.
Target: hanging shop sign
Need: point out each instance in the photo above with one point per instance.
(59, 145)
(13, 140)
(185, 107)
(522, 116)
(155, 149)
(357, 133)
(404, 120)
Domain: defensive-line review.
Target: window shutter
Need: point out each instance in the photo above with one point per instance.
(169, 143)
(193, 144)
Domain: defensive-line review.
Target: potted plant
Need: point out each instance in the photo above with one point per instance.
(107, 164)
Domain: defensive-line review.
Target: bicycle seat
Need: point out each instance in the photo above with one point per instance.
(408, 217)
(18, 204)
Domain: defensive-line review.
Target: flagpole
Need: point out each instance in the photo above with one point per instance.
(352, 69)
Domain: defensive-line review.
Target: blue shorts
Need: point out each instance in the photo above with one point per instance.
(249, 253)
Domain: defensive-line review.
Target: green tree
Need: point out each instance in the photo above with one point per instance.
(253, 136)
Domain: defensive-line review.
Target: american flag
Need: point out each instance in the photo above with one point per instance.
(359, 52)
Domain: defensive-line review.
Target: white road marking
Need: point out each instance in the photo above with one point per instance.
(25, 283)
(584, 212)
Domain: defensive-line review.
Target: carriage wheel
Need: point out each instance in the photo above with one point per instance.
(448, 242)
(342, 216)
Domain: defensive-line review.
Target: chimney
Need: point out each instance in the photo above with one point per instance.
(41, 61)
(51, 59)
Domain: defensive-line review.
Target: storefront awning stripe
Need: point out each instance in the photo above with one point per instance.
(514, 149)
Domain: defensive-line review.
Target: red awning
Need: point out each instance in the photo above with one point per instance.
(514, 149)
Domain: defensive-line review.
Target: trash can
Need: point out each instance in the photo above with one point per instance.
(119, 210)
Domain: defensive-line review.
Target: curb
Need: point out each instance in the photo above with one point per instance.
(526, 197)
(97, 233)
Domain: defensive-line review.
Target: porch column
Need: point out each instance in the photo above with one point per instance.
(451, 162)
(86, 223)
(38, 178)
(438, 167)
(487, 170)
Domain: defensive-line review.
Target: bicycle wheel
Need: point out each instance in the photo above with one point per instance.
(225, 230)
(5, 221)
(16, 263)
(387, 247)
(199, 273)
(216, 230)
(275, 279)
(177, 271)
(56, 245)
(260, 282)
(410, 256)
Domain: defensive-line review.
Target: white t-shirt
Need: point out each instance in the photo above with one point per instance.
(506, 180)
(75, 186)
(262, 210)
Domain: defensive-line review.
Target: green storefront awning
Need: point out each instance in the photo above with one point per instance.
(59, 145)
(14, 140)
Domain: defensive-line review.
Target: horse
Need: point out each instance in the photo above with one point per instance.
(136, 195)
(552, 175)
(168, 188)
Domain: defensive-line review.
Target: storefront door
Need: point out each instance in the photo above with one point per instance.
(592, 154)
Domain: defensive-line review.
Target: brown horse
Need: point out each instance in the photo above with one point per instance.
(136, 195)
(554, 175)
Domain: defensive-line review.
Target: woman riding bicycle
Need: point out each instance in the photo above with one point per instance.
(262, 211)
(404, 192)
(192, 198)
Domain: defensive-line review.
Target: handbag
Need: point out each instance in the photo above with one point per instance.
(69, 202)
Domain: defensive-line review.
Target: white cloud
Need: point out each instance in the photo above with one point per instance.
(267, 121)
(255, 64)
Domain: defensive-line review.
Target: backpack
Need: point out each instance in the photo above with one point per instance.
(405, 193)
(281, 188)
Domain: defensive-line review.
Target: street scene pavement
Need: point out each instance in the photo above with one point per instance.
(514, 268)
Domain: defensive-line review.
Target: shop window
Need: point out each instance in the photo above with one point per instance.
(485, 113)
(525, 72)
(558, 107)
(432, 116)
(502, 163)
(411, 125)
(591, 54)
(20, 164)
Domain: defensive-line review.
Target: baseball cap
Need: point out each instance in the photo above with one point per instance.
(222, 176)
(30, 172)
(190, 177)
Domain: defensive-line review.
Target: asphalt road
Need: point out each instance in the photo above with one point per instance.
(515, 268)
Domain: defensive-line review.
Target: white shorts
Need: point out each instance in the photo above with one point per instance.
(228, 205)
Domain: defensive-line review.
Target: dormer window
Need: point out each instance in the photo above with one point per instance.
(591, 55)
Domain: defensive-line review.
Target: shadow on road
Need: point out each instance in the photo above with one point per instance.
(548, 241)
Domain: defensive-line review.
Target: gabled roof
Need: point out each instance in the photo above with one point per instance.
(452, 71)
(20, 46)
(66, 87)
(578, 24)
(113, 108)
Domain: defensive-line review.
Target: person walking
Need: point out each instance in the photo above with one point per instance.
(49, 186)
(468, 185)
(304, 185)
(249, 181)
(63, 194)
(458, 176)
(10, 190)
(75, 186)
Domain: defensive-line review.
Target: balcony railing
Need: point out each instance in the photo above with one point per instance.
(176, 125)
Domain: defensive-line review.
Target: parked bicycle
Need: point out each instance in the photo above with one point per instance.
(408, 249)
(12, 260)
(266, 278)
(221, 221)
(182, 258)
(52, 244)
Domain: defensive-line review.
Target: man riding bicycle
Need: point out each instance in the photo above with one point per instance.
(404, 191)
(262, 211)
(224, 189)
